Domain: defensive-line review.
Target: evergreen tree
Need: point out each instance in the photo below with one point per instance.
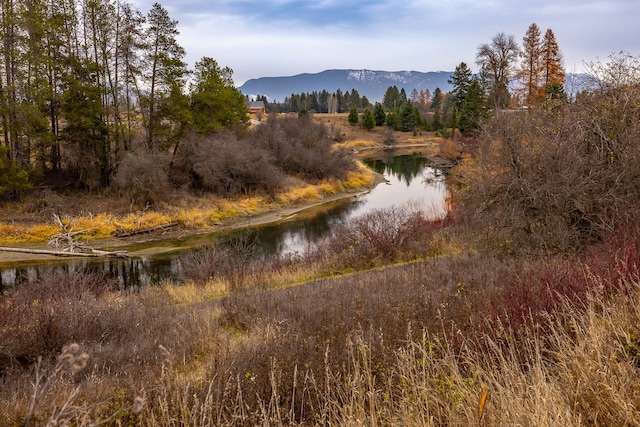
(339, 102)
(436, 101)
(353, 116)
(408, 118)
(379, 114)
(554, 96)
(346, 101)
(364, 102)
(391, 98)
(10, 50)
(460, 80)
(215, 102)
(473, 109)
(355, 100)
(323, 102)
(393, 120)
(41, 59)
(303, 101)
(164, 66)
(449, 113)
(129, 43)
(436, 123)
(13, 178)
(314, 104)
(368, 121)
(403, 97)
(531, 65)
(417, 118)
(85, 133)
(294, 103)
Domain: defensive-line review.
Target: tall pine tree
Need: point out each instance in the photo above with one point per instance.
(165, 69)
(460, 80)
(215, 102)
(553, 70)
(531, 65)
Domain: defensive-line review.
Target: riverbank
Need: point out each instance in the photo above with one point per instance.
(185, 217)
(270, 213)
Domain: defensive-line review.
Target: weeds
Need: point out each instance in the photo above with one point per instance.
(70, 363)
(412, 344)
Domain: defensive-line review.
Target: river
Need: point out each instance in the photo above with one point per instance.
(408, 179)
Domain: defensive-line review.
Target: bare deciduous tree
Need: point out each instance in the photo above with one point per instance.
(496, 60)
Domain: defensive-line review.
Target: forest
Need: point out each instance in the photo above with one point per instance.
(520, 307)
(86, 84)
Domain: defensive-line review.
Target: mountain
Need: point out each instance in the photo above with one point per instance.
(372, 84)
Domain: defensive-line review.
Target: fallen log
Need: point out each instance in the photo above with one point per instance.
(147, 230)
(91, 253)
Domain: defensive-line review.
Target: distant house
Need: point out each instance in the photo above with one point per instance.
(256, 107)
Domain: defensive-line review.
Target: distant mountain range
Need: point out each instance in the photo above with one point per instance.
(372, 84)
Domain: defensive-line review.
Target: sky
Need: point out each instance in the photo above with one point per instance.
(270, 38)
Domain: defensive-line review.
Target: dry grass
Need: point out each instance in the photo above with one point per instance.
(418, 344)
(363, 177)
(190, 212)
(298, 195)
(21, 233)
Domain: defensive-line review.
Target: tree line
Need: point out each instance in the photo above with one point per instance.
(317, 101)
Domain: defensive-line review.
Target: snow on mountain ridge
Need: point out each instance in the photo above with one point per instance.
(374, 76)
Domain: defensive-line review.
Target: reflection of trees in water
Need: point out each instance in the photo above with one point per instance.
(277, 238)
(130, 272)
(406, 168)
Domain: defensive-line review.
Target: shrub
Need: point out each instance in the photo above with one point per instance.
(558, 180)
(302, 148)
(45, 315)
(145, 177)
(380, 236)
(229, 166)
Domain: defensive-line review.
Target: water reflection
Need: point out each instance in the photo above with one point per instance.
(130, 272)
(409, 180)
(403, 168)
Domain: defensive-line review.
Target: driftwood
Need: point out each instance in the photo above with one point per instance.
(147, 230)
(90, 253)
(67, 240)
(66, 243)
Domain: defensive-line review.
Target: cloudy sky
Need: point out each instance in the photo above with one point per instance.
(287, 37)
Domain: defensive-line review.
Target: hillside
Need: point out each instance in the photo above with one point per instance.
(371, 84)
